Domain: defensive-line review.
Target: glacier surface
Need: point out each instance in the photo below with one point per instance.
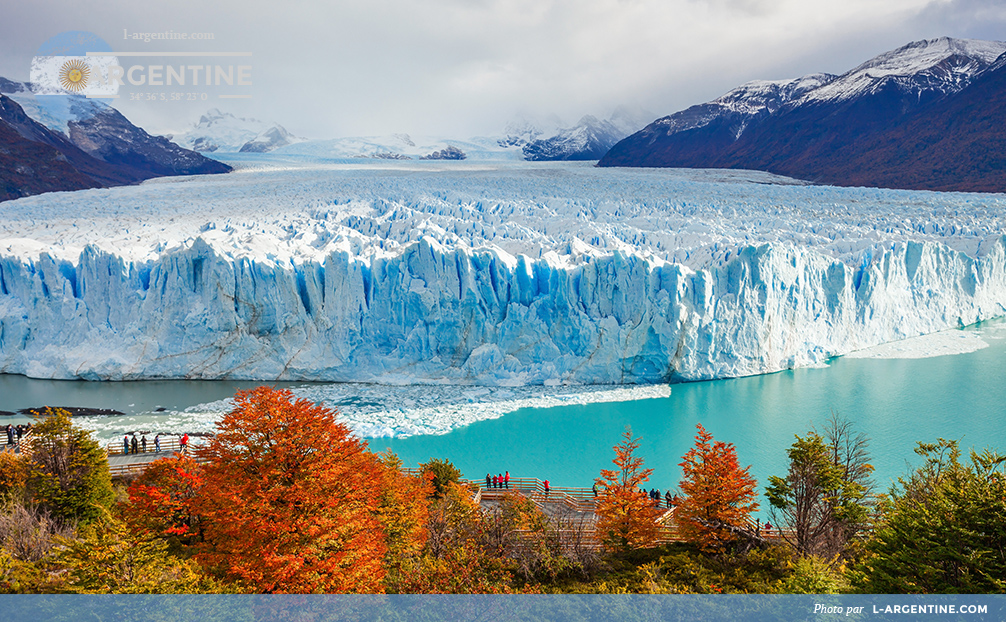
(491, 273)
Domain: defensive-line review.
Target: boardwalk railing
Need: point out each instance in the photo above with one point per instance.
(576, 499)
(129, 469)
(169, 444)
(579, 499)
(21, 445)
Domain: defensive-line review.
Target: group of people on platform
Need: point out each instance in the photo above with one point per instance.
(14, 433)
(670, 499)
(498, 481)
(503, 481)
(132, 445)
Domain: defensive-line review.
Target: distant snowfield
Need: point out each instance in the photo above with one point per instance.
(297, 267)
(277, 208)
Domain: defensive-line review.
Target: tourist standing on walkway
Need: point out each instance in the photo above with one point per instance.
(495, 482)
(594, 488)
(157, 444)
(143, 443)
(183, 444)
(135, 444)
(546, 488)
(10, 434)
(669, 499)
(506, 480)
(19, 431)
(489, 481)
(499, 478)
(125, 444)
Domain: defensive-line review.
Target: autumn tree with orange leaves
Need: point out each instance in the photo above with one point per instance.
(719, 496)
(404, 510)
(160, 499)
(626, 516)
(290, 499)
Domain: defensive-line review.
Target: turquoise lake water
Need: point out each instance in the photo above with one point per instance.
(896, 402)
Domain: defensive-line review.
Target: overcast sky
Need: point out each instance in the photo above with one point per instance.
(460, 68)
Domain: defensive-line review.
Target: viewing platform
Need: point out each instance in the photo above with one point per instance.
(121, 464)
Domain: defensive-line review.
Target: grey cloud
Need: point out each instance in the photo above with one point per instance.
(464, 67)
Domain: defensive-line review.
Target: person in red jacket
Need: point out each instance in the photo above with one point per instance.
(506, 480)
(184, 442)
(546, 489)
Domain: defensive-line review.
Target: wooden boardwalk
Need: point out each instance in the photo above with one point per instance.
(574, 508)
(571, 508)
(121, 464)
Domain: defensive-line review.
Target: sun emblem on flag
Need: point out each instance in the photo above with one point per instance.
(73, 75)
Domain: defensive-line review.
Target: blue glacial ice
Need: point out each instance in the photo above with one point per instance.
(500, 274)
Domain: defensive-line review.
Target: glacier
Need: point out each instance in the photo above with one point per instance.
(500, 274)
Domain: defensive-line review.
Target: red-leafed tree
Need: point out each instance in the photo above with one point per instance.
(718, 495)
(626, 516)
(160, 500)
(290, 499)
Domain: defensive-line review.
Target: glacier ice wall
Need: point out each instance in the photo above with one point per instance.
(434, 313)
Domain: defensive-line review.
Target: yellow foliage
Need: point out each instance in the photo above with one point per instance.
(13, 472)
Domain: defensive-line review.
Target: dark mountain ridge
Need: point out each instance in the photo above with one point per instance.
(925, 116)
(100, 148)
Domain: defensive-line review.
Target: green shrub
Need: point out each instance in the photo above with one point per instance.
(444, 472)
(67, 470)
(812, 575)
(943, 529)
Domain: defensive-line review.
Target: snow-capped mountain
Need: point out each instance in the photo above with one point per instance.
(401, 147)
(743, 105)
(272, 138)
(56, 112)
(89, 139)
(224, 132)
(817, 128)
(33, 159)
(924, 69)
(105, 134)
(589, 139)
(523, 129)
